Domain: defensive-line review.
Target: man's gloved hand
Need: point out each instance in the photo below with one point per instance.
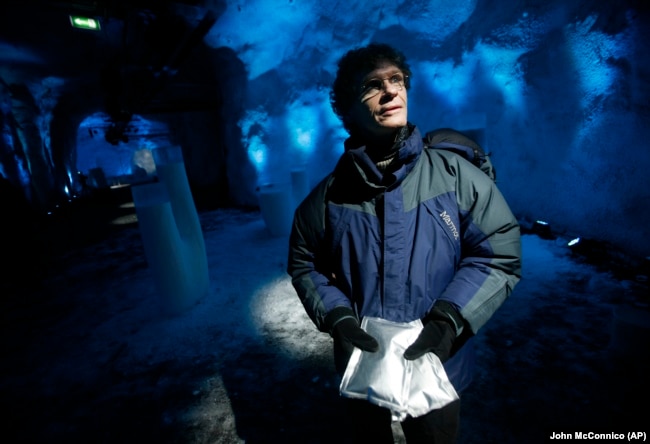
(347, 334)
(344, 326)
(441, 327)
(348, 330)
(437, 337)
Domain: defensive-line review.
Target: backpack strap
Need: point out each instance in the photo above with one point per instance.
(458, 143)
(474, 155)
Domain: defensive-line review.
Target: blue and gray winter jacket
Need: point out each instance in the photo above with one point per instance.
(391, 245)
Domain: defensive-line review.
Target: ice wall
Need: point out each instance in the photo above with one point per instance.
(561, 88)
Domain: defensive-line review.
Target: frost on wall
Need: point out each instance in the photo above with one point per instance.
(575, 157)
(304, 135)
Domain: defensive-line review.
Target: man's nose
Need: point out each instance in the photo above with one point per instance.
(391, 88)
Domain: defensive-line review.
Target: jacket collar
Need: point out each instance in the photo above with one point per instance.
(408, 145)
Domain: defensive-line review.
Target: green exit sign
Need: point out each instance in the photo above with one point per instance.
(78, 21)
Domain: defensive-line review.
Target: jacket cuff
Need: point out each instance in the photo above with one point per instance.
(445, 311)
(336, 315)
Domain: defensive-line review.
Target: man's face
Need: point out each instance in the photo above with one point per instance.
(380, 108)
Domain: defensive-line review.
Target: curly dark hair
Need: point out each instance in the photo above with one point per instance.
(356, 63)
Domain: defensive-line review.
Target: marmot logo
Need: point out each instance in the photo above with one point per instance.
(447, 219)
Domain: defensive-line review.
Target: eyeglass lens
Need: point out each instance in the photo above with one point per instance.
(374, 86)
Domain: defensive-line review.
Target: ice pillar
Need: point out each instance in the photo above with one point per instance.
(276, 206)
(279, 200)
(171, 233)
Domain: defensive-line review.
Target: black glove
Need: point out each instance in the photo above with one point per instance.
(348, 330)
(344, 326)
(347, 334)
(441, 328)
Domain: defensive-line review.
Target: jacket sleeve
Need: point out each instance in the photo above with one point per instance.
(490, 264)
(307, 264)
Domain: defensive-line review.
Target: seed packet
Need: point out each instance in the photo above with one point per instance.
(386, 379)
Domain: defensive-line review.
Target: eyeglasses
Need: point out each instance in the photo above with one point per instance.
(375, 86)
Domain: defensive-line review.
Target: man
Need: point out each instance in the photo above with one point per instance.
(400, 232)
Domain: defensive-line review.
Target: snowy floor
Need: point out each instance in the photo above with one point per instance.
(90, 356)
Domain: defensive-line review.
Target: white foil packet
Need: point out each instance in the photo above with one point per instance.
(387, 379)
